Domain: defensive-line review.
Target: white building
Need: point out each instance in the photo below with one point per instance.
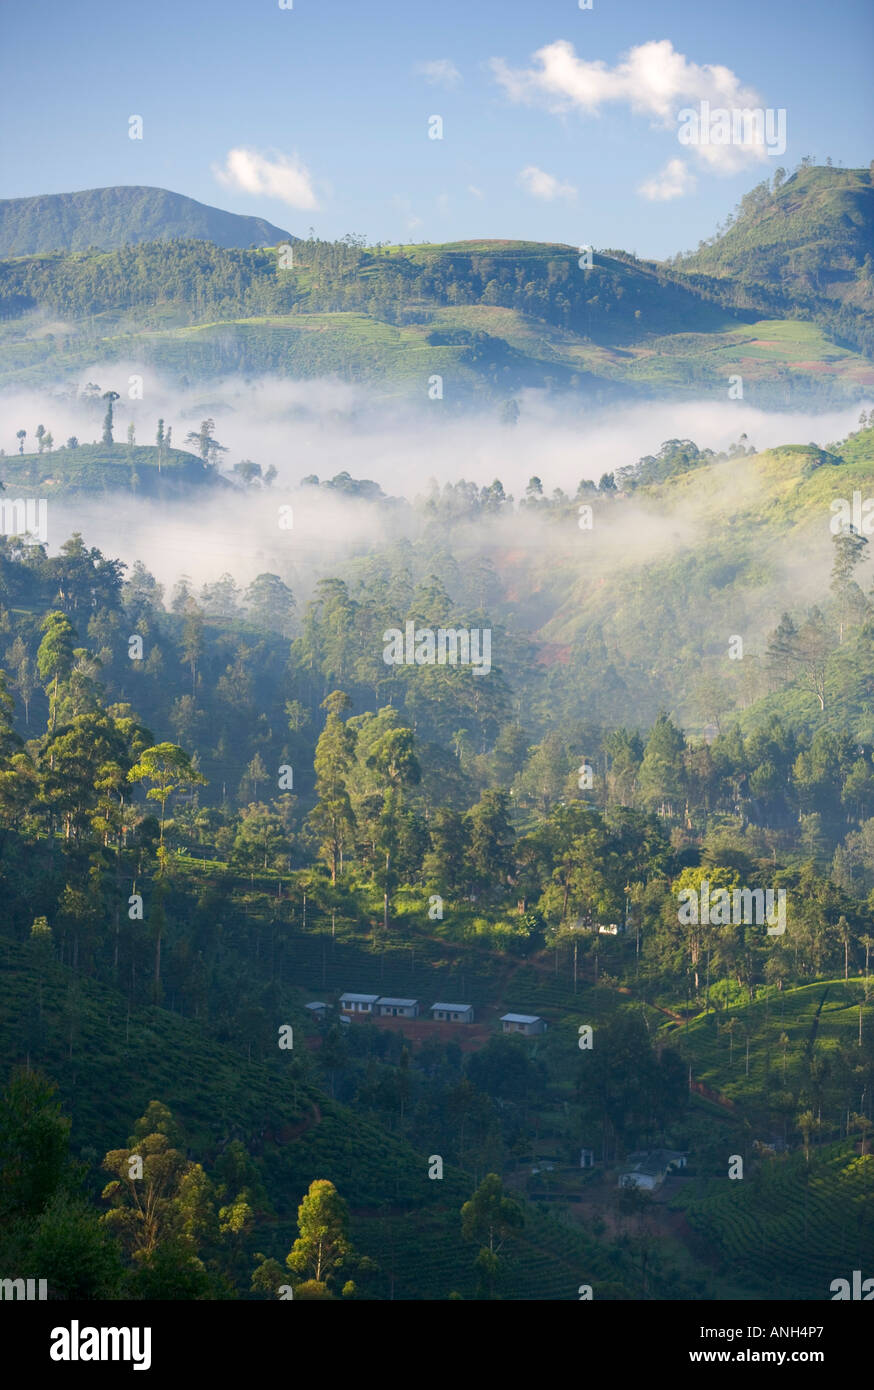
(357, 1003)
(452, 1013)
(397, 1008)
(526, 1024)
(648, 1170)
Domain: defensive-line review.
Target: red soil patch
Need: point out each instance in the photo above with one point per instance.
(469, 1036)
(701, 1089)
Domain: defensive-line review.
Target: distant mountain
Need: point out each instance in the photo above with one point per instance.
(111, 217)
(802, 247)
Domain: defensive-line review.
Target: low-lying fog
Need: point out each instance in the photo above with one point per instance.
(325, 427)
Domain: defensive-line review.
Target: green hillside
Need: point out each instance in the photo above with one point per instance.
(794, 1225)
(90, 1039)
(490, 317)
(122, 216)
(168, 906)
(802, 245)
(715, 555)
(783, 1029)
(86, 1036)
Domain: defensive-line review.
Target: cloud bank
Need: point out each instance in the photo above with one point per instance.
(327, 427)
(652, 79)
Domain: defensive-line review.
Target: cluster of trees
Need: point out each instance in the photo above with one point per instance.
(612, 300)
(437, 783)
(466, 501)
(580, 866)
(198, 274)
(170, 1227)
(202, 442)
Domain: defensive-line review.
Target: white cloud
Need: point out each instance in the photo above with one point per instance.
(674, 181)
(542, 185)
(440, 72)
(273, 177)
(652, 79)
(477, 192)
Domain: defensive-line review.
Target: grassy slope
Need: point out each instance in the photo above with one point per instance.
(789, 1227)
(96, 468)
(780, 361)
(808, 240)
(822, 1016)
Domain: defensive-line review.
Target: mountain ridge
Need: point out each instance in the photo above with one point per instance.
(123, 215)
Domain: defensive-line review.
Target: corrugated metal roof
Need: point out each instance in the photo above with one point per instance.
(359, 998)
(398, 1003)
(453, 1008)
(521, 1018)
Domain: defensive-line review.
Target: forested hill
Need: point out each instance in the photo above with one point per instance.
(220, 807)
(111, 217)
(782, 298)
(798, 244)
(616, 299)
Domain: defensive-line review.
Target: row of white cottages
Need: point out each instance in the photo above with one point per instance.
(383, 1006)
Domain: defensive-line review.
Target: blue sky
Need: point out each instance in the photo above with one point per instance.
(318, 115)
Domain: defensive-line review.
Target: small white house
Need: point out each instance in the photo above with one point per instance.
(317, 1009)
(612, 929)
(648, 1171)
(526, 1024)
(358, 1003)
(452, 1013)
(587, 1158)
(397, 1008)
